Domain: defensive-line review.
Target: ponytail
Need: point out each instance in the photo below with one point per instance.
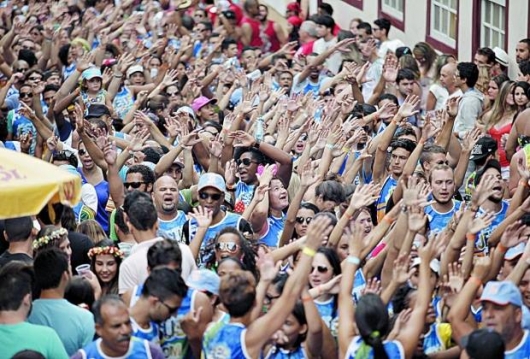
(372, 321)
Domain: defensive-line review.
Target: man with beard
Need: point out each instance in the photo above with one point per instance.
(441, 180)
(522, 50)
(166, 199)
(113, 327)
(494, 203)
(272, 33)
(211, 193)
(160, 298)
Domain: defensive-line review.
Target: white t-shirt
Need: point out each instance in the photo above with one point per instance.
(333, 62)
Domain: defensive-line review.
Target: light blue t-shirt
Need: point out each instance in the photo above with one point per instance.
(172, 229)
(438, 221)
(74, 325)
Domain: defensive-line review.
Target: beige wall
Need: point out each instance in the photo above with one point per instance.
(416, 21)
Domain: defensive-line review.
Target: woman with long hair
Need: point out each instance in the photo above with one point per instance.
(367, 337)
(52, 236)
(520, 95)
(498, 122)
(105, 259)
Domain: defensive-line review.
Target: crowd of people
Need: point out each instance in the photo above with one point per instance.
(253, 190)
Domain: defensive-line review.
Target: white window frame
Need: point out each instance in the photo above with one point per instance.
(486, 24)
(392, 11)
(439, 35)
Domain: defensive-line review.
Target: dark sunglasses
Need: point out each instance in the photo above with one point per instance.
(134, 185)
(320, 269)
(227, 246)
(171, 309)
(302, 219)
(21, 70)
(213, 196)
(169, 94)
(246, 161)
(35, 78)
(25, 94)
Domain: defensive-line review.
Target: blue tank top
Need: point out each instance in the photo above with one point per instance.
(279, 353)
(173, 340)
(230, 220)
(244, 193)
(329, 315)
(359, 283)
(228, 343)
(102, 191)
(274, 233)
(436, 338)
(150, 334)
(123, 102)
(172, 229)
(388, 188)
(138, 349)
(522, 351)
(438, 221)
(481, 243)
(393, 349)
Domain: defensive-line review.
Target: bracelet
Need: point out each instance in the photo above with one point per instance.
(310, 252)
(353, 260)
(307, 299)
(471, 237)
(523, 183)
(231, 187)
(388, 219)
(473, 209)
(476, 280)
(345, 149)
(330, 146)
(257, 144)
(502, 248)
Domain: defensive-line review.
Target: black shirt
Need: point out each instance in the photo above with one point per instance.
(7, 257)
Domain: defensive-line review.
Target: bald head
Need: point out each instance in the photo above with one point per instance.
(447, 75)
(166, 196)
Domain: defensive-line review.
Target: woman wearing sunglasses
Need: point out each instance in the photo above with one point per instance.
(325, 270)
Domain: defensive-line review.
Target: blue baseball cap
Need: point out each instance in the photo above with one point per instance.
(91, 73)
(502, 293)
(212, 180)
(204, 280)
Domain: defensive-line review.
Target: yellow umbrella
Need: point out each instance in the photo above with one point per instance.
(27, 184)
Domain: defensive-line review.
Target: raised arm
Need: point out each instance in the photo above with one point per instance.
(260, 331)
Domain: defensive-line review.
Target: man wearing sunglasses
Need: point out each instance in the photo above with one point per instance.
(161, 297)
(211, 192)
(249, 155)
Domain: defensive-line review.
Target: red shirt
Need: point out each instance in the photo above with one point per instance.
(255, 40)
(270, 40)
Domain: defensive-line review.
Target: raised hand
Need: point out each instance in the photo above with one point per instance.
(402, 271)
(216, 147)
(452, 106)
(454, 278)
(373, 285)
(512, 235)
(409, 107)
(138, 140)
(319, 228)
(230, 172)
(202, 216)
(109, 152)
(481, 268)
(267, 268)
(470, 139)
(242, 139)
(309, 176)
(365, 195)
(85, 62)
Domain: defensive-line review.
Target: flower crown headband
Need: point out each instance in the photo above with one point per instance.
(42, 241)
(96, 251)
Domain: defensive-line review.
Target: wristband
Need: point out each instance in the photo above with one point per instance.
(307, 299)
(476, 280)
(230, 187)
(523, 183)
(330, 146)
(345, 150)
(502, 248)
(310, 252)
(388, 219)
(471, 237)
(473, 209)
(353, 260)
